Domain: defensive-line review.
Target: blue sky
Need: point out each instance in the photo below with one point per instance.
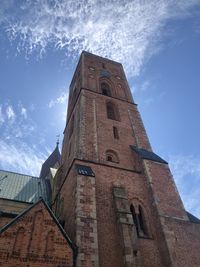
(158, 43)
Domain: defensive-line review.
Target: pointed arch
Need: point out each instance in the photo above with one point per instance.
(19, 241)
(106, 87)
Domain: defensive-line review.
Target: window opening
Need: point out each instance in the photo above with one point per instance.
(139, 221)
(134, 215)
(142, 222)
(115, 132)
(112, 156)
(105, 89)
(112, 111)
(109, 158)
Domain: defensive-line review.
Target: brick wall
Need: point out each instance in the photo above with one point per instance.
(34, 240)
(148, 185)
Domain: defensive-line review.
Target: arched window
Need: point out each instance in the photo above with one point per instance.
(105, 89)
(139, 220)
(112, 111)
(112, 156)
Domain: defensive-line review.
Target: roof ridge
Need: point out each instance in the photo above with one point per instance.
(20, 173)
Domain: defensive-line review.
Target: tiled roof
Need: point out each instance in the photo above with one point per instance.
(145, 154)
(50, 162)
(22, 187)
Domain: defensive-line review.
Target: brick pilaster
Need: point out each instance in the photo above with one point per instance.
(130, 240)
(86, 222)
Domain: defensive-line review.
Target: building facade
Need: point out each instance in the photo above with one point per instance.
(112, 198)
(121, 205)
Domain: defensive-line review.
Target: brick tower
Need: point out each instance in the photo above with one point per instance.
(114, 196)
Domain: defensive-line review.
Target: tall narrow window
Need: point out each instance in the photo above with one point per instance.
(142, 221)
(115, 132)
(135, 219)
(70, 148)
(139, 221)
(112, 111)
(105, 89)
(71, 126)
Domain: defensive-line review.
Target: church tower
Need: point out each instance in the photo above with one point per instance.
(115, 197)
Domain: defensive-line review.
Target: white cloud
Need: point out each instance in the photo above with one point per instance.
(186, 171)
(24, 112)
(10, 113)
(126, 31)
(62, 99)
(21, 127)
(21, 158)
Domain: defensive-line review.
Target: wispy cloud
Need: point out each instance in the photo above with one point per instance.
(126, 31)
(24, 112)
(15, 128)
(62, 99)
(10, 113)
(20, 157)
(186, 171)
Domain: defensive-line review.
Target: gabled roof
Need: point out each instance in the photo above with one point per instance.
(26, 188)
(50, 162)
(145, 154)
(72, 245)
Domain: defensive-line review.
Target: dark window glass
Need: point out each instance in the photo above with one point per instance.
(105, 89)
(109, 158)
(112, 156)
(139, 221)
(134, 215)
(115, 132)
(112, 111)
(142, 222)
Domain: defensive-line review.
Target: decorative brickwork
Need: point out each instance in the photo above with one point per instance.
(34, 239)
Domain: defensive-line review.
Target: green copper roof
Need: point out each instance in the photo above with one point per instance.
(22, 187)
